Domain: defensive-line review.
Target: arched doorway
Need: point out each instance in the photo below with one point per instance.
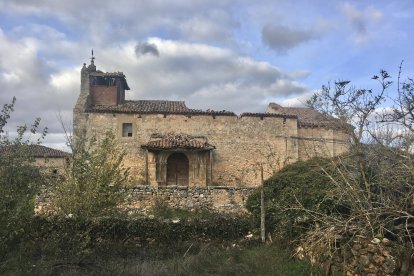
(177, 169)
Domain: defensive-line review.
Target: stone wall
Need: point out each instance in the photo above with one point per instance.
(50, 165)
(142, 198)
(320, 141)
(241, 142)
(79, 116)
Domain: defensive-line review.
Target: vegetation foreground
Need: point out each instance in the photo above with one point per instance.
(213, 245)
(89, 236)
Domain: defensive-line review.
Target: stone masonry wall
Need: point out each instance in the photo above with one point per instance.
(320, 141)
(241, 142)
(79, 116)
(142, 198)
(222, 199)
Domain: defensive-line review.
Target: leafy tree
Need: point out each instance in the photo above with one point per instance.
(93, 179)
(19, 179)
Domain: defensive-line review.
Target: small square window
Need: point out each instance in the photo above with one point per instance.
(126, 130)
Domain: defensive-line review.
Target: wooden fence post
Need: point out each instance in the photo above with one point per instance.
(262, 208)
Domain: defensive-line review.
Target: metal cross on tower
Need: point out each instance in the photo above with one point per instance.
(92, 58)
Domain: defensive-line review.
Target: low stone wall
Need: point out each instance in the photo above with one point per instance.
(222, 199)
(141, 199)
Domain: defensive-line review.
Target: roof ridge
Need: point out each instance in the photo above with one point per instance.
(254, 114)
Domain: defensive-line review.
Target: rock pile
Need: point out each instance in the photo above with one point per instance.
(361, 256)
(365, 257)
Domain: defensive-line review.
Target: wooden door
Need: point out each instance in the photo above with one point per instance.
(177, 169)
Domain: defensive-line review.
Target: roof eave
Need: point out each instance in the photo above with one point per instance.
(177, 148)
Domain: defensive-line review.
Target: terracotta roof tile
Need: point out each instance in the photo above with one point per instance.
(277, 115)
(155, 107)
(307, 117)
(107, 74)
(143, 106)
(38, 151)
(178, 141)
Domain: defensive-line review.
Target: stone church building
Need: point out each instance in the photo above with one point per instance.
(170, 144)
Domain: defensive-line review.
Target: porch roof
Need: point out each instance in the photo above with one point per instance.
(178, 141)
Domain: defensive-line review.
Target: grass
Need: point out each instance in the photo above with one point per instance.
(161, 209)
(198, 259)
(66, 247)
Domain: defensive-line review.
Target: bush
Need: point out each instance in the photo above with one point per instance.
(290, 194)
(93, 179)
(19, 181)
(71, 240)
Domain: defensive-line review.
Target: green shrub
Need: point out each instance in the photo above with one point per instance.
(77, 236)
(162, 209)
(19, 181)
(299, 186)
(92, 180)
(59, 245)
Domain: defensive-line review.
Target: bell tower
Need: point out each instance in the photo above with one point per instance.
(97, 88)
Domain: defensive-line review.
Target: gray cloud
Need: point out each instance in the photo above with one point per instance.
(195, 20)
(204, 76)
(360, 20)
(211, 26)
(282, 38)
(145, 48)
(25, 75)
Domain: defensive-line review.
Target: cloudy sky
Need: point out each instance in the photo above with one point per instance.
(224, 54)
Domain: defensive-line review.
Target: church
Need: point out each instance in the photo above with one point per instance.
(170, 144)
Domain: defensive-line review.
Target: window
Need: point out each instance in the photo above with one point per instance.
(126, 130)
(54, 173)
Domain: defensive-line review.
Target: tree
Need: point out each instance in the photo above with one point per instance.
(366, 192)
(375, 180)
(93, 178)
(19, 179)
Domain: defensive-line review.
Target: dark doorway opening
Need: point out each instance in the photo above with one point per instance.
(177, 169)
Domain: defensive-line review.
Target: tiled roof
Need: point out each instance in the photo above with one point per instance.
(248, 114)
(306, 116)
(144, 107)
(178, 141)
(107, 74)
(42, 151)
(38, 151)
(155, 107)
